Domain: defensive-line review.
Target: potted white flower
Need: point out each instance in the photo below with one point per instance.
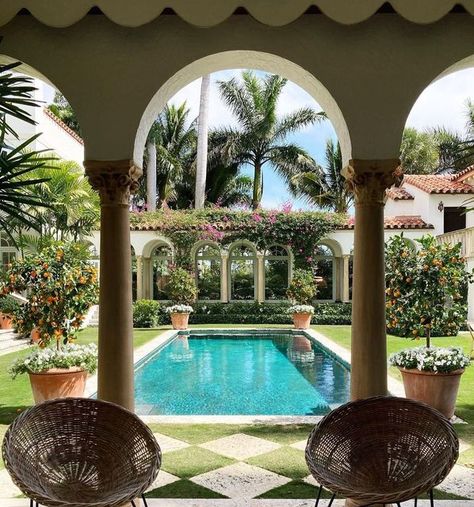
(179, 315)
(57, 373)
(183, 292)
(432, 375)
(301, 315)
(302, 291)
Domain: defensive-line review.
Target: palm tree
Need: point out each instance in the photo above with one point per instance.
(261, 137)
(175, 141)
(419, 152)
(202, 142)
(326, 187)
(74, 208)
(18, 164)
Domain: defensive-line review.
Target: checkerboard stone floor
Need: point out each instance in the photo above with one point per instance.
(241, 466)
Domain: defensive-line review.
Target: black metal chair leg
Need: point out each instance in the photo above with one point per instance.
(144, 501)
(319, 496)
(416, 501)
(31, 503)
(431, 498)
(133, 503)
(332, 500)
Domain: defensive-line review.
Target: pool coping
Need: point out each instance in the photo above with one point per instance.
(333, 349)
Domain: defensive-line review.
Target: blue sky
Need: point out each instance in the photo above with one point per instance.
(442, 103)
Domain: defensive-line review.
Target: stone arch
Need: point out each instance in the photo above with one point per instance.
(148, 248)
(243, 59)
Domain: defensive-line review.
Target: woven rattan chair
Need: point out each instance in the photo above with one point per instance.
(381, 450)
(79, 452)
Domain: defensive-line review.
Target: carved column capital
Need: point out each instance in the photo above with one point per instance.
(115, 180)
(369, 179)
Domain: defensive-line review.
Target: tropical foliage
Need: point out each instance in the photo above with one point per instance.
(261, 136)
(61, 285)
(17, 165)
(426, 288)
(146, 313)
(63, 110)
(326, 187)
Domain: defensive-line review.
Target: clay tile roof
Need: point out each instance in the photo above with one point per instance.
(464, 174)
(71, 132)
(399, 194)
(438, 184)
(397, 222)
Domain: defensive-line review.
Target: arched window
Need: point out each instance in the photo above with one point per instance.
(324, 272)
(242, 261)
(208, 272)
(161, 260)
(276, 272)
(8, 251)
(134, 274)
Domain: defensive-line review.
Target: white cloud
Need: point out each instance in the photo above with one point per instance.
(443, 102)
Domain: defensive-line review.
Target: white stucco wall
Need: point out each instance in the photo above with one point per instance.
(53, 136)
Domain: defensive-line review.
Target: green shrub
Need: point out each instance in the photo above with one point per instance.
(426, 288)
(10, 306)
(182, 287)
(146, 313)
(266, 313)
(302, 289)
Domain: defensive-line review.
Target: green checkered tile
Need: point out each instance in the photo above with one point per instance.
(192, 461)
(285, 461)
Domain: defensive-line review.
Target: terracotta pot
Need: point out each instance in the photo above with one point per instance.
(302, 320)
(35, 335)
(301, 344)
(438, 390)
(180, 320)
(7, 321)
(58, 383)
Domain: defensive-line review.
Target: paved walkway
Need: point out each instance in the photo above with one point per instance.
(9, 342)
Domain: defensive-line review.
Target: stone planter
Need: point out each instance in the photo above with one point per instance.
(58, 383)
(180, 321)
(439, 390)
(302, 320)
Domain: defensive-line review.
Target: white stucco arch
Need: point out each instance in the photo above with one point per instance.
(333, 244)
(243, 59)
(148, 247)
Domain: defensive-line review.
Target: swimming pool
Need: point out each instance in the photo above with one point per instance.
(269, 373)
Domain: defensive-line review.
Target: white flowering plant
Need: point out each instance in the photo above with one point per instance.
(70, 355)
(301, 309)
(432, 359)
(179, 309)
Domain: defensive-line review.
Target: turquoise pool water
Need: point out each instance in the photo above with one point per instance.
(273, 374)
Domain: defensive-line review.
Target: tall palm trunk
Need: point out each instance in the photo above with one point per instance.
(151, 177)
(257, 185)
(203, 129)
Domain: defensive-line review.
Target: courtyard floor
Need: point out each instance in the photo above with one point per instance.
(227, 465)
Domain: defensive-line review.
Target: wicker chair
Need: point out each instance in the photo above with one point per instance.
(79, 452)
(381, 450)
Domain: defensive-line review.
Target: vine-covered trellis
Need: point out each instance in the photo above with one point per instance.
(301, 231)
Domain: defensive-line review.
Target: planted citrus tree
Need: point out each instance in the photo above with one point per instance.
(60, 285)
(301, 292)
(425, 297)
(183, 293)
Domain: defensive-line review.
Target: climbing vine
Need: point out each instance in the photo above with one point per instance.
(299, 230)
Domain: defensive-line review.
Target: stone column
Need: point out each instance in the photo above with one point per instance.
(146, 263)
(369, 179)
(115, 180)
(345, 278)
(260, 277)
(224, 277)
(140, 277)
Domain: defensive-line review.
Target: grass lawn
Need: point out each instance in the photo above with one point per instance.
(15, 395)
(465, 403)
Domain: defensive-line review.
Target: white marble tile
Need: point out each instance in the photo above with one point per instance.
(240, 446)
(459, 482)
(169, 444)
(163, 479)
(7, 488)
(240, 480)
(301, 445)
